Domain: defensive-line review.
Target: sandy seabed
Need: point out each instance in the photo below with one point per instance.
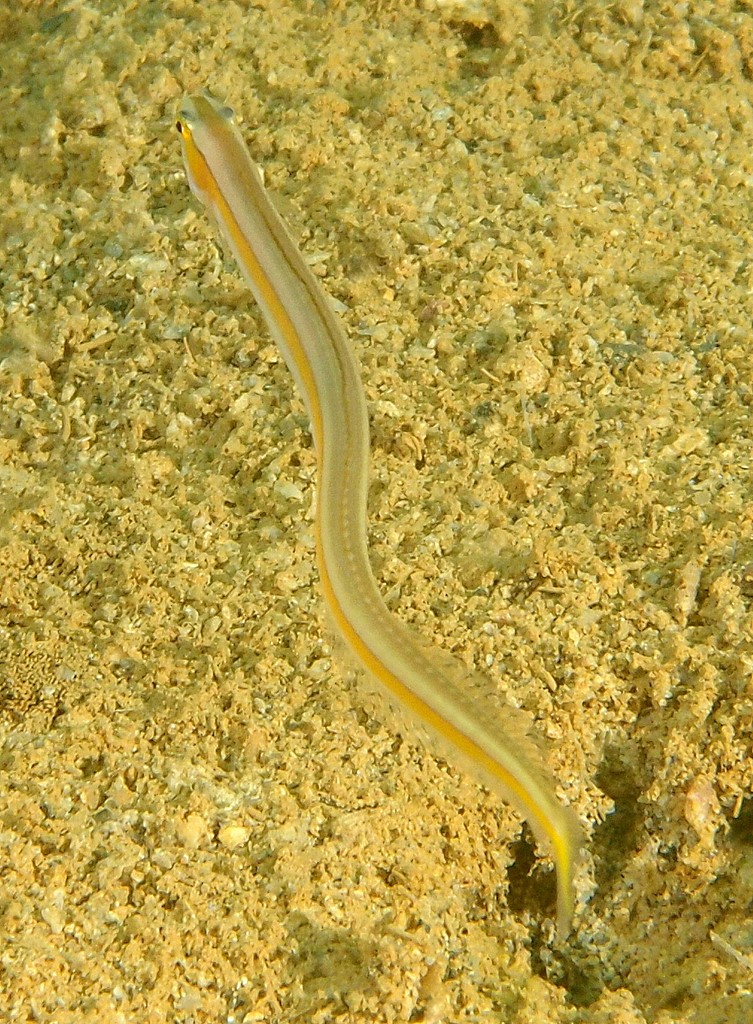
(535, 220)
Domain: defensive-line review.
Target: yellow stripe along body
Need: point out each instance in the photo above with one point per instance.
(304, 326)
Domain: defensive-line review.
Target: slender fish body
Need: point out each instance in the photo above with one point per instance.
(303, 324)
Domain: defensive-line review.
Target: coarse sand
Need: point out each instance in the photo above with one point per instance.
(535, 222)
